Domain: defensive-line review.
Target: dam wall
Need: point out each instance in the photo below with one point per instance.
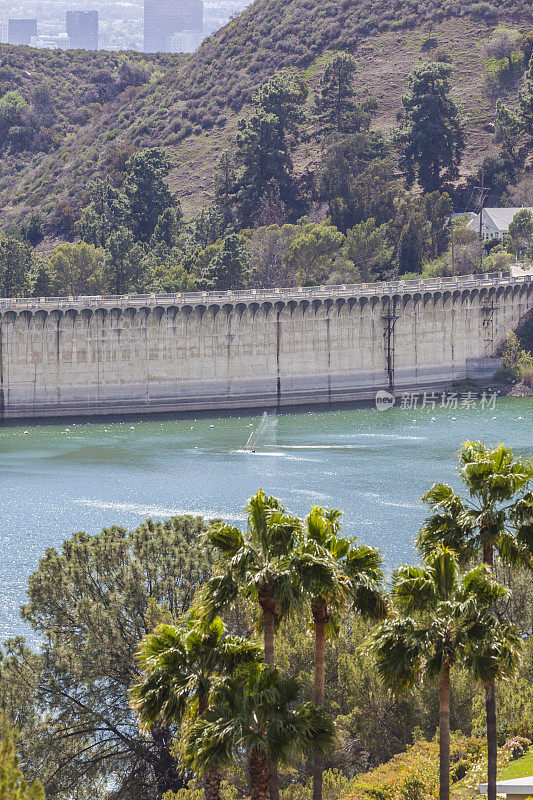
(246, 349)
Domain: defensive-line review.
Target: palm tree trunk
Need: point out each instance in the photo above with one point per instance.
(490, 710)
(444, 734)
(320, 674)
(211, 782)
(259, 773)
(492, 739)
(211, 778)
(268, 633)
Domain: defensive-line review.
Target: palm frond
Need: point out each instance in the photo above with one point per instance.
(227, 539)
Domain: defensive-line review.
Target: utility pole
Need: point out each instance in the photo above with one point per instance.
(482, 194)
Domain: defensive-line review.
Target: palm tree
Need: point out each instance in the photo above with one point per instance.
(258, 564)
(442, 620)
(258, 711)
(180, 667)
(335, 573)
(497, 517)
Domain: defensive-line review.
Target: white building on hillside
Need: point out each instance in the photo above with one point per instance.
(495, 222)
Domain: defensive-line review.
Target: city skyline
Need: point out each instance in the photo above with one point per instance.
(120, 26)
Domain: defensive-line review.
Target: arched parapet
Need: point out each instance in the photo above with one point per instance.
(266, 308)
(292, 305)
(9, 317)
(321, 308)
(227, 309)
(40, 317)
(157, 314)
(340, 302)
(212, 310)
(100, 315)
(26, 317)
(303, 306)
(70, 318)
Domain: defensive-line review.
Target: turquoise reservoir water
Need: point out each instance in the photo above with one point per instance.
(373, 465)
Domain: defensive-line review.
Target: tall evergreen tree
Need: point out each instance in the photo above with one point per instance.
(104, 214)
(264, 144)
(439, 208)
(412, 244)
(13, 786)
(122, 262)
(432, 138)
(335, 104)
(90, 604)
(229, 269)
(16, 262)
(146, 191)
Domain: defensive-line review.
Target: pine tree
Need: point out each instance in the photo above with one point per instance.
(42, 285)
(432, 139)
(264, 144)
(229, 269)
(412, 245)
(146, 191)
(99, 593)
(12, 783)
(508, 126)
(335, 105)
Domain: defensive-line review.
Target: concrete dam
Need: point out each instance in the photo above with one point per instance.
(254, 348)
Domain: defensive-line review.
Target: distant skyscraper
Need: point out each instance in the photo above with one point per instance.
(82, 30)
(20, 31)
(185, 41)
(165, 18)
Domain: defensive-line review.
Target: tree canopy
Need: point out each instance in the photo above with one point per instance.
(432, 138)
(92, 603)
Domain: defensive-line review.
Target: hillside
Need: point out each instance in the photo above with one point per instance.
(102, 106)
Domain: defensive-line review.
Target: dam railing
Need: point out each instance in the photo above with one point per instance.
(250, 295)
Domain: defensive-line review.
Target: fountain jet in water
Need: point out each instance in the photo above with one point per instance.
(264, 433)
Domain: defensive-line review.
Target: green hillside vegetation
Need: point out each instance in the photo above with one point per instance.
(303, 165)
(189, 104)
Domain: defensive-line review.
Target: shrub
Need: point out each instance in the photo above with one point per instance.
(527, 377)
(518, 745)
